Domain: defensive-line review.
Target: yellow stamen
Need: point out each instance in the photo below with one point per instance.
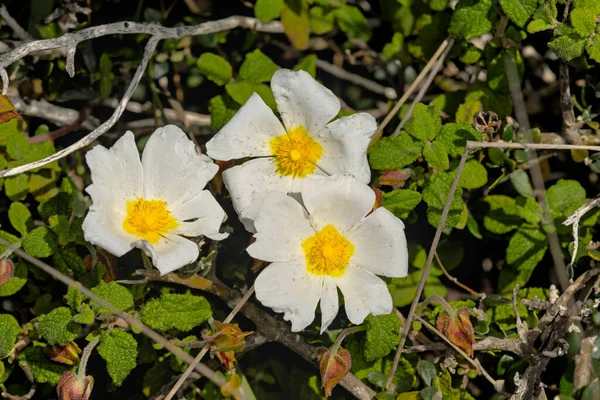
(296, 153)
(327, 252)
(148, 219)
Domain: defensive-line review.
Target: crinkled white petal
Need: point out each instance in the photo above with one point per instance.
(248, 185)
(103, 224)
(339, 200)
(364, 294)
(118, 169)
(200, 215)
(170, 253)
(287, 287)
(302, 101)
(380, 244)
(247, 134)
(281, 226)
(345, 142)
(296, 187)
(329, 303)
(173, 170)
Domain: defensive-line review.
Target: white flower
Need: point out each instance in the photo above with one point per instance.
(153, 203)
(332, 242)
(306, 144)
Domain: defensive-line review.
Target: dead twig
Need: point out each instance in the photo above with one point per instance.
(574, 220)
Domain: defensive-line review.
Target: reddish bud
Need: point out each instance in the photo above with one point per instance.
(226, 340)
(459, 331)
(333, 367)
(68, 354)
(7, 269)
(378, 199)
(395, 178)
(71, 387)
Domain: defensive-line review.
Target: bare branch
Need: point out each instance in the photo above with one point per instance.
(570, 127)
(574, 220)
(14, 25)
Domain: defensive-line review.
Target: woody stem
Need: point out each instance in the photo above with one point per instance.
(342, 336)
(87, 352)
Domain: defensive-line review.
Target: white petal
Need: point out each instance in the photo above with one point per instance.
(380, 244)
(296, 187)
(249, 183)
(364, 294)
(118, 169)
(173, 170)
(329, 303)
(345, 142)
(302, 101)
(287, 287)
(339, 200)
(170, 253)
(247, 134)
(103, 224)
(206, 213)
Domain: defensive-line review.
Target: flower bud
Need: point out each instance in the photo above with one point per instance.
(226, 340)
(7, 269)
(378, 199)
(71, 387)
(68, 354)
(459, 330)
(333, 367)
(395, 178)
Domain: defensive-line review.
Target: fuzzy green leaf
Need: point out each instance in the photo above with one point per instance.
(215, 68)
(119, 350)
(395, 152)
(565, 197)
(176, 311)
(424, 123)
(85, 316)
(42, 368)
(454, 137)
(17, 147)
(41, 242)
(16, 187)
(584, 21)
(257, 67)
(474, 175)
(61, 204)
(472, 18)
(221, 109)
(382, 335)
(525, 250)
(401, 201)
(57, 326)
(593, 47)
(435, 194)
(20, 217)
(267, 10)
(9, 331)
(498, 219)
(519, 11)
(568, 47)
(16, 282)
(436, 155)
(117, 295)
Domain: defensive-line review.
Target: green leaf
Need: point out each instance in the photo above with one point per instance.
(41, 242)
(382, 335)
(454, 137)
(401, 201)
(521, 183)
(17, 147)
(117, 295)
(593, 47)
(436, 155)
(257, 67)
(591, 4)
(14, 284)
(267, 10)
(308, 64)
(584, 21)
(42, 368)
(69, 262)
(215, 68)
(519, 11)
(497, 77)
(176, 311)
(352, 22)
(119, 350)
(296, 24)
(391, 50)
(474, 175)
(568, 47)
(9, 331)
(427, 371)
(472, 18)
(16, 187)
(395, 152)
(501, 217)
(424, 123)
(221, 110)
(564, 197)
(20, 217)
(61, 204)
(241, 91)
(57, 326)
(525, 250)
(435, 195)
(85, 316)
(321, 21)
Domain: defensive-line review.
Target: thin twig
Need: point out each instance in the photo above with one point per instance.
(453, 279)
(432, 74)
(49, 136)
(574, 220)
(14, 25)
(520, 327)
(60, 116)
(32, 390)
(413, 86)
(204, 350)
(570, 127)
(150, 333)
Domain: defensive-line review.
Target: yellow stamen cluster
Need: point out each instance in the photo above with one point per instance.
(296, 153)
(327, 252)
(148, 219)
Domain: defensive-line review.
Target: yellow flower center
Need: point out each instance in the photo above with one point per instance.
(296, 153)
(148, 219)
(327, 252)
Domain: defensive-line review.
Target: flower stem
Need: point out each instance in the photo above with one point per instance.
(87, 352)
(342, 336)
